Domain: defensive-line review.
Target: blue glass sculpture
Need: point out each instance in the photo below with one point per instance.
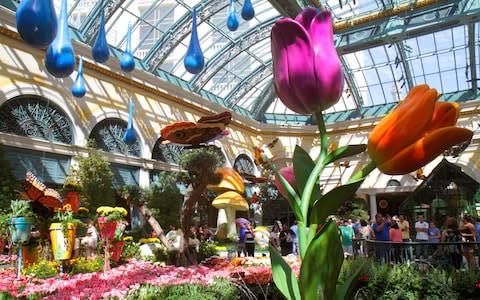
(59, 58)
(78, 88)
(130, 137)
(100, 51)
(127, 63)
(232, 20)
(36, 22)
(194, 60)
(247, 11)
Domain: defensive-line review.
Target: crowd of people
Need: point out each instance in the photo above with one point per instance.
(395, 241)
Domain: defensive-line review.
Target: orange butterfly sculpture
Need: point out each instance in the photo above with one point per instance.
(37, 191)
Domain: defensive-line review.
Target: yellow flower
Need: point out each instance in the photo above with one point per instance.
(128, 238)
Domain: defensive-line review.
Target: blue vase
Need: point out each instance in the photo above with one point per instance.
(22, 227)
(232, 20)
(100, 50)
(127, 63)
(130, 137)
(194, 60)
(247, 11)
(36, 22)
(59, 58)
(78, 88)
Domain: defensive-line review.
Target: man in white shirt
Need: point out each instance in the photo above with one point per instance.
(295, 248)
(421, 229)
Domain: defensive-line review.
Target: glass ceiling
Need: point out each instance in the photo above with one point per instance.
(383, 57)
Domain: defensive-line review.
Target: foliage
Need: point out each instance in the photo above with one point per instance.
(164, 200)
(4, 219)
(65, 217)
(86, 265)
(43, 269)
(354, 209)
(131, 250)
(8, 182)
(220, 289)
(463, 281)
(21, 208)
(133, 194)
(72, 181)
(96, 179)
(206, 250)
(201, 162)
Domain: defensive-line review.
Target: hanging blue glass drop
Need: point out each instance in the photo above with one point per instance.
(232, 20)
(100, 51)
(247, 11)
(127, 63)
(78, 88)
(36, 22)
(59, 58)
(194, 60)
(130, 137)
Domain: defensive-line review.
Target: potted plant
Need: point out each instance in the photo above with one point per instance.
(71, 189)
(117, 243)
(21, 220)
(62, 232)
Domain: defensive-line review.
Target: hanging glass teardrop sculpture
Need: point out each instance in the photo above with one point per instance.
(59, 58)
(130, 137)
(36, 22)
(247, 11)
(127, 63)
(78, 88)
(100, 51)
(232, 20)
(194, 60)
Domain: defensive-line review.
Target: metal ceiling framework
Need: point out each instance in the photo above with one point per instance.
(390, 26)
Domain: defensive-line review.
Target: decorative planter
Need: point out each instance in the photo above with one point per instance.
(116, 250)
(107, 228)
(21, 229)
(62, 242)
(73, 198)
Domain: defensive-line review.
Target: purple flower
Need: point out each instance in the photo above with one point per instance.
(308, 75)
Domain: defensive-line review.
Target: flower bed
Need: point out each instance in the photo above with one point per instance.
(127, 278)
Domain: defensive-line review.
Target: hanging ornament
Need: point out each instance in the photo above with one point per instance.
(130, 137)
(194, 60)
(127, 63)
(36, 22)
(78, 88)
(100, 51)
(59, 58)
(247, 11)
(232, 20)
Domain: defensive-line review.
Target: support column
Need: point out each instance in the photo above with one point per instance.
(144, 178)
(373, 205)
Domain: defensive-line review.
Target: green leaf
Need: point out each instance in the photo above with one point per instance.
(345, 290)
(283, 276)
(329, 203)
(303, 166)
(321, 265)
(344, 151)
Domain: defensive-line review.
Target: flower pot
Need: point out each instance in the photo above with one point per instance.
(107, 228)
(62, 241)
(116, 250)
(21, 229)
(73, 198)
(30, 255)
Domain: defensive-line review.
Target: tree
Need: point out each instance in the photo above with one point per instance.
(96, 179)
(8, 183)
(201, 165)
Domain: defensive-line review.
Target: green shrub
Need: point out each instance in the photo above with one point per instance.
(43, 269)
(206, 250)
(221, 289)
(131, 250)
(85, 265)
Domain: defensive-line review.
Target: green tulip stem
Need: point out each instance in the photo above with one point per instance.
(303, 241)
(363, 172)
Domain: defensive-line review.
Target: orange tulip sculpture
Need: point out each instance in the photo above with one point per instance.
(415, 132)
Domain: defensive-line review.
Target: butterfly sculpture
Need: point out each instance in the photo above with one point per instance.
(37, 191)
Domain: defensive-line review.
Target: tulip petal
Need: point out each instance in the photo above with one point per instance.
(403, 126)
(444, 115)
(328, 68)
(425, 150)
(294, 75)
(306, 16)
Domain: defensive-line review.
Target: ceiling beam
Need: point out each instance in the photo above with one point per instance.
(287, 8)
(89, 27)
(471, 51)
(263, 101)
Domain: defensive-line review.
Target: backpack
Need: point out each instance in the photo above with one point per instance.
(452, 236)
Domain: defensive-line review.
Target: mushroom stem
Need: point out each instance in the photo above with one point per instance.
(231, 227)
(221, 223)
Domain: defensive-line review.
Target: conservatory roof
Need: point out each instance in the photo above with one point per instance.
(386, 47)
